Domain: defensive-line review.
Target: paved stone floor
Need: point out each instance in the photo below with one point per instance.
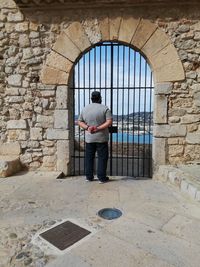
(159, 226)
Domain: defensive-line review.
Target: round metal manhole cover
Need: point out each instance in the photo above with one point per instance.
(109, 213)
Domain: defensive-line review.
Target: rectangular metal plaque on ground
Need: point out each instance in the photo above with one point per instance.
(64, 235)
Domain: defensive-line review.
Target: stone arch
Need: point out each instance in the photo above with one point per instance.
(77, 38)
(151, 41)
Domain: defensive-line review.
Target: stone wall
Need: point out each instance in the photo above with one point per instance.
(36, 114)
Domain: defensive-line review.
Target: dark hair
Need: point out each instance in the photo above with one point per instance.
(96, 97)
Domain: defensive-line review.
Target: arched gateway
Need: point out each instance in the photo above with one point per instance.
(76, 40)
(124, 78)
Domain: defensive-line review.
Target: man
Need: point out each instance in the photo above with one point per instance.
(95, 119)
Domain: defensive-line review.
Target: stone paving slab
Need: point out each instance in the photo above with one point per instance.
(184, 227)
(166, 247)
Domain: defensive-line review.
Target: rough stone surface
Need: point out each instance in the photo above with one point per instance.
(193, 138)
(61, 97)
(57, 134)
(143, 32)
(16, 124)
(63, 157)
(160, 109)
(61, 119)
(76, 33)
(36, 134)
(127, 29)
(66, 47)
(163, 88)
(169, 130)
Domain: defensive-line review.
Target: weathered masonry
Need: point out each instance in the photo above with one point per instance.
(40, 41)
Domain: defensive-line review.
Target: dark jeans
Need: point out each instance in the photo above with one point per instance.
(102, 152)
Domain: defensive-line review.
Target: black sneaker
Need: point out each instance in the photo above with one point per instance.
(104, 180)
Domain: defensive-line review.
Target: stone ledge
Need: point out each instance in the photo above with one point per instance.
(186, 182)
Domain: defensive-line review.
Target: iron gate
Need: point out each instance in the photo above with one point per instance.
(124, 78)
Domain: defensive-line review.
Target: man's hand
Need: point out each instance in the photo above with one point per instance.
(92, 129)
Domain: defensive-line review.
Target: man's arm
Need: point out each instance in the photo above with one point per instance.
(105, 125)
(83, 125)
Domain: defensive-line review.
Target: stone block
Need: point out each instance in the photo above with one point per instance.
(77, 34)
(16, 99)
(7, 4)
(63, 156)
(159, 151)
(12, 92)
(197, 99)
(66, 47)
(169, 130)
(104, 28)
(152, 46)
(114, 23)
(59, 62)
(193, 138)
(61, 97)
(26, 158)
(192, 190)
(170, 73)
(163, 88)
(160, 109)
(15, 80)
(44, 121)
(190, 118)
(9, 165)
(15, 17)
(36, 134)
(22, 26)
(53, 76)
(92, 30)
(48, 93)
(164, 57)
(12, 148)
(16, 124)
(143, 32)
(20, 135)
(57, 134)
(127, 29)
(184, 186)
(176, 150)
(49, 161)
(61, 119)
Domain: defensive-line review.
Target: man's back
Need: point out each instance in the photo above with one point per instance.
(96, 114)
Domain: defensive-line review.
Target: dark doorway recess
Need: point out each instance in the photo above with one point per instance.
(124, 78)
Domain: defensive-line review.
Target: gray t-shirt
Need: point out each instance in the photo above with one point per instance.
(94, 115)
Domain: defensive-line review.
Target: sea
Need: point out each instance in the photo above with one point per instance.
(129, 138)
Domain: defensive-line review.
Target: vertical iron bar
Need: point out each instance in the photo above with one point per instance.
(111, 103)
(74, 126)
(84, 106)
(117, 105)
(144, 123)
(79, 159)
(139, 101)
(134, 75)
(150, 125)
(128, 111)
(123, 111)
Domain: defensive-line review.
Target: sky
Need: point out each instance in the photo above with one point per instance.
(122, 69)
